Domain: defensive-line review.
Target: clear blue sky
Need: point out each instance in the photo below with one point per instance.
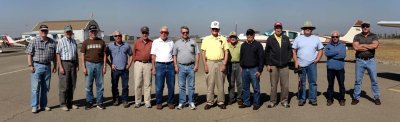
(128, 16)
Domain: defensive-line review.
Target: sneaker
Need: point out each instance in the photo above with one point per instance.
(329, 102)
(125, 104)
(101, 107)
(148, 105)
(285, 104)
(180, 107)
(192, 106)
(271, 105)
(65, 108)
(377, 102)
(137, 105)
(34, 110)
(75, 107)
(88, 106)
(314, 103)
(115, 102)
(301, 103)
(45, 109)
(354, 102)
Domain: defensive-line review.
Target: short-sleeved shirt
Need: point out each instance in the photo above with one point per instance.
(234, 52)
(141, 49)
(42, 51)
(214, 47)
(94, 50)
(365, 40)
(307, 49)
(162, 50)
(119, 54)
(186, 51)
(67, 49)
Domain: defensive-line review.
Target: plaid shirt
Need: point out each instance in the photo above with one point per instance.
(67, 49)
(42, 51)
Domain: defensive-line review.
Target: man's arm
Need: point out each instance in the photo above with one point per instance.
(60, 66)
(153, 62)
(358, 47)
(296, 63)
(205, 61)
(319, 55)
(196, 62)
(374, 45)
(175, 64)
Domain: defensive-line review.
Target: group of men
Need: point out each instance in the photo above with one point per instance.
(241, 63)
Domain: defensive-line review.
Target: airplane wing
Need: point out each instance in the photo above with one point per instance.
(389, 23)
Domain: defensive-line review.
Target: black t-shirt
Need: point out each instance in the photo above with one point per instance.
(365, 40)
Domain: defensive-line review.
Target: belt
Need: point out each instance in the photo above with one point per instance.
(72, 61)
(145, 61)
(187, 64)
(165, 62)
(234, 62)
(48, 63)
(215, 61)
(366, 58)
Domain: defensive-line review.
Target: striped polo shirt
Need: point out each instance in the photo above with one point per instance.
(67, 49)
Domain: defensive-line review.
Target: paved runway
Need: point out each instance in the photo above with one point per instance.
(15, 100)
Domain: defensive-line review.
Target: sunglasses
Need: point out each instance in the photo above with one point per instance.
(117, 35)
(214, 29)
(185, 32)
(45, 31)
(335, 37)
(364, 26)
(145, 33)
(164, 32)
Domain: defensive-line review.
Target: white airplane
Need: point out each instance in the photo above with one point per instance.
(348, 37)
(7, 40)
(389, 23)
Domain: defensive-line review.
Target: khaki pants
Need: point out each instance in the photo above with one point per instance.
(142, 77)
(279, 74)
(215, 78)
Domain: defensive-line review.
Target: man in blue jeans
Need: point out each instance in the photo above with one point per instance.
(119, 53)
(365, 44)
(252, 63)
(335, 52)
(163, 67)
(41, 51)
(186, 60)
(307, 51)
(93, 63)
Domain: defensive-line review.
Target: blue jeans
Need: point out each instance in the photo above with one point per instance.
(94, 72)
(115, 75)
(248, 75)
(40, 81)
(370, 66)
(186, 73)
(309, 72)
(165, 71)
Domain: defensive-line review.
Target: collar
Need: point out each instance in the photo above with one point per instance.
(122, 43)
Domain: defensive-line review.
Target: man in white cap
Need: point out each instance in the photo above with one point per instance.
(41, 51)
(307, 51)
(215, 56)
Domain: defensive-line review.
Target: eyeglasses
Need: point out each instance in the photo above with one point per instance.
(117, 35)
(334, 37)
(164, 32)
(215, 29)
(145, 33)
(187, 32)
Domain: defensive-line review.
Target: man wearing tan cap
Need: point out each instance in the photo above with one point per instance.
(307, 51)
(233, 70)
(215, 56)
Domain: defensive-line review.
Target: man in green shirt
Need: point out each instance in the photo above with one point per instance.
(233, 66)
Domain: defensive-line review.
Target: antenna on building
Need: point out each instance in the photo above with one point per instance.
(92, 16)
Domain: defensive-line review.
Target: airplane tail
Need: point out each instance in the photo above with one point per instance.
(356, 29)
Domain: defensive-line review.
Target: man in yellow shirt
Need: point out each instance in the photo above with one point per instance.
(215, 55)
(233, 71)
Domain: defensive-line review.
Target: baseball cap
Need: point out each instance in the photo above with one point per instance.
(215, 24)
(67, 28)
(43, 27)
(144, 29)
(93, 28)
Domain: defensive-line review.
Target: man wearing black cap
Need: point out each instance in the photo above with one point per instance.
(41, 51)
(252, 63)
(142, 68)
(278, 53)
(93, 63)
(365, 44)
